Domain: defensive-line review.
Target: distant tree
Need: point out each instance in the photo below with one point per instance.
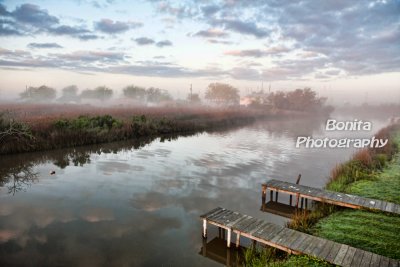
(222, 93)
(135, 92)
(39, 94)
(100, 93)
(279, 100)
(299, 100)
(70, 94)
(156, 95)
(194, 98)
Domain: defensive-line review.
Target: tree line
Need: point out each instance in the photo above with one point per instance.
(216, 93)
(102, 93)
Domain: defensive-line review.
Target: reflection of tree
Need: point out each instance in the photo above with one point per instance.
(18, 178)
(79, 158)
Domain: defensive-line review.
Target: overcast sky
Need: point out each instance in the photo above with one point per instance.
(337, 47)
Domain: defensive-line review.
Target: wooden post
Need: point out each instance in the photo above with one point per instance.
(306, 202)
(223, 233)
(204, 247)
(254, 243)
(271, 195)
(219, 232)
(204, 228)
(298, 179)
(291, 197)
(228, 257)
(237, 240)
(276, 196)
(302, 201)
(297, 200)
(228, 239)
(263, 196)
(264, 190)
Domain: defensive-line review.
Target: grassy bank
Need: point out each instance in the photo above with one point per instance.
(34, 127)
(373, 173)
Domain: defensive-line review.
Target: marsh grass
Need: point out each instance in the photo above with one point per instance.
(384, 185)
(271, 257)
(70, 126)
(372, 231)
(373, 173)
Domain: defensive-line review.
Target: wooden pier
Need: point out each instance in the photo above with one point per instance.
(289, 240)
(340, 199)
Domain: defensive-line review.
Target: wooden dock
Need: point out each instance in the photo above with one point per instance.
(289, 240)
(335, 198)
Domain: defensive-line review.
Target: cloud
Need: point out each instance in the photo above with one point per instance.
(114, 27)
(86, 37)
(210, 10)
(257, 53)
(246, 53)
(44, 45)
(212, 33)
(216, 41)
(144, 41)
(164, 43)
(67, 30)
(92, 56)
(30, 19)
(8, 28)
(243, 27)
(33, 15)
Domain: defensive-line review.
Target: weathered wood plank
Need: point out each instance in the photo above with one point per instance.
(333, 252)
(318, 246)
(260, 226)
(305, 243)
(393, 263)
(324, 253)
(219, 214)
(384, 262)
(260, 233)
(290, 240)
(349, 257)
(357, 257)
(375, 259)
(205, 215)
(233, 223)
(298, 242)
(336, 198)
(341, 254)
(366, 260)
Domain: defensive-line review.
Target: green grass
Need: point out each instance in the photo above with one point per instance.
(375, 232)
(262, 257)
(384, 185)
(372, 231)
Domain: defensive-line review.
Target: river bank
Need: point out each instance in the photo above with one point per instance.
(372, 173)
(26, 128)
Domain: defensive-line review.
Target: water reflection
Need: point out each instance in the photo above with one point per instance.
(217, 251)
(138, 203)
(18, 178)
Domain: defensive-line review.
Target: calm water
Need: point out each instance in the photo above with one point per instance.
(138, 204)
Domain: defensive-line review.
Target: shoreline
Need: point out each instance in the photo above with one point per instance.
(371, 172)
(31, 132)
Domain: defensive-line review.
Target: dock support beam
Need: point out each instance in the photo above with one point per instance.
(204, 228)
(228, 239)
(237, 240)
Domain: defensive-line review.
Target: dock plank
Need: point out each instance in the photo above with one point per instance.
(335, 198)
(293, 241)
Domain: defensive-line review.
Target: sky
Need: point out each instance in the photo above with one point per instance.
(346, 50)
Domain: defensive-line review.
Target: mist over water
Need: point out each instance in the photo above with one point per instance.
(139, 203)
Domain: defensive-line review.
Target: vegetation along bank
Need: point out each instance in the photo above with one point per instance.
(372, 173)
